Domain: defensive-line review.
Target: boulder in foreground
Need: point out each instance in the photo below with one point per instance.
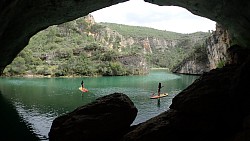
(107, 118)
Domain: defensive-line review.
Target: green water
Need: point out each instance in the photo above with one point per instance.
(40, 100)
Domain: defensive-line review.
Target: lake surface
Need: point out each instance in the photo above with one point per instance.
(38, 101)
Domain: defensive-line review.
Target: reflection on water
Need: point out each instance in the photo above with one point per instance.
(42, 121)
(40, 100)
(13, 127)
(159, 102)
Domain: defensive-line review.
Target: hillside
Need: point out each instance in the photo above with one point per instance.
(142, 32)
(85, 48)
(162, 48)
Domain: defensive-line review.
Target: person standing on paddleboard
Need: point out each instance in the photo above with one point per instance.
(159, 89)
(82, 83)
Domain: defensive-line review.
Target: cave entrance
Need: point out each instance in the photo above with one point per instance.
(46, 99)
(169, 27)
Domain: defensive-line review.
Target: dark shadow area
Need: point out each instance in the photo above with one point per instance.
(12, 126)
(158, 102)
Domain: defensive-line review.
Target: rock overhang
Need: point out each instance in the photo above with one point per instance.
(21, 19)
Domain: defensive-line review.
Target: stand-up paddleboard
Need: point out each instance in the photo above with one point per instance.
(83, 89)
(159, 96)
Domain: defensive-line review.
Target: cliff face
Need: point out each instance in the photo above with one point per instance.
(213, 55)
(163, 48)
(148, 44)
(217, 45)
(197, 63)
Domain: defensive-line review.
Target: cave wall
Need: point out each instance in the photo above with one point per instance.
(21, 19)
(195, 114)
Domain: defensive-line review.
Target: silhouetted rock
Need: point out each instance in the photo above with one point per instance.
(237, 54)
(107, 118)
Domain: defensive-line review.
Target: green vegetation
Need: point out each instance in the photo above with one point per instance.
(221, 64)
(79, 48)
(142, 32)
(186, 44)
(145, 32)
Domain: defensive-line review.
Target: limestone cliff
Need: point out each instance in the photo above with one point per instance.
(197, 63)
(164, 48)
(148, 43)
(217, 45)
(212, 55)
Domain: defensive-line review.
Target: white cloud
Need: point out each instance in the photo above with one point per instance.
(140, 13)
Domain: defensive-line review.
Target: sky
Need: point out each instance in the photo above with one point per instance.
(140, 13)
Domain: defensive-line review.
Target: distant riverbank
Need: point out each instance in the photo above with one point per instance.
(159, 69)
(66, 76)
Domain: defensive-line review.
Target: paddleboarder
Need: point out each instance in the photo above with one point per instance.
(82, 83)
(159, 89)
